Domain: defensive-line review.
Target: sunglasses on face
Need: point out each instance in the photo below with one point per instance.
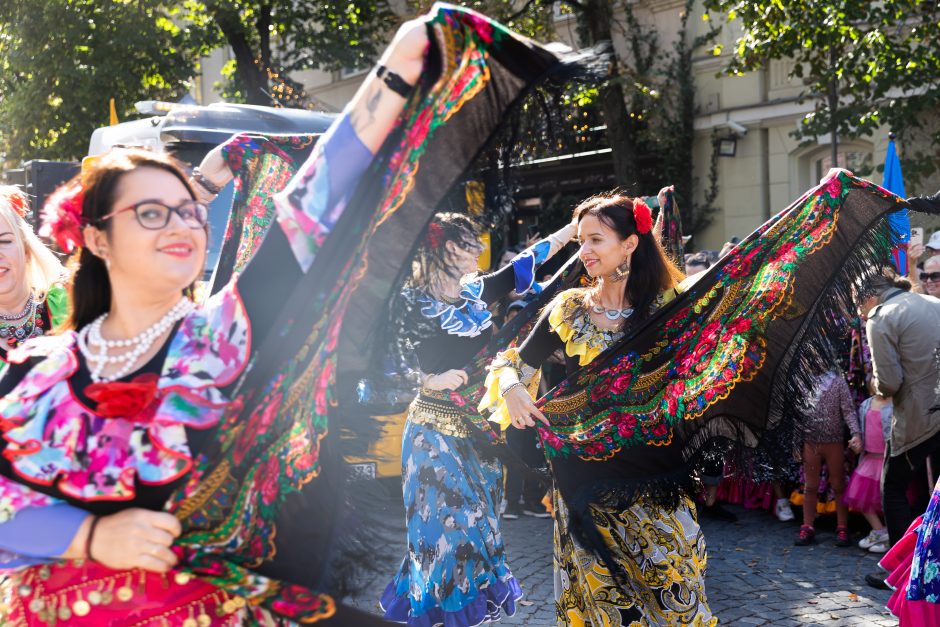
(155, 215)
(933, 277)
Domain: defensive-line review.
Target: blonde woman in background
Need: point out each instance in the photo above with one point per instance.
(32, 298)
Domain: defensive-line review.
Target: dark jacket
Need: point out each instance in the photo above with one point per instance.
(927, 204)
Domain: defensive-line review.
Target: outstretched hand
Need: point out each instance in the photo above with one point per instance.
(375, 108)
(405, 55)
(522, 409)
(661, 196)
(833, 173)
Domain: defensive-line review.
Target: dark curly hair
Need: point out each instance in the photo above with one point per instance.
(432, 258)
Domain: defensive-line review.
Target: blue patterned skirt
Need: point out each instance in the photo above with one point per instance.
(455, 573)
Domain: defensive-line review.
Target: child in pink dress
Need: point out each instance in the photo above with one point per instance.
(863, 493)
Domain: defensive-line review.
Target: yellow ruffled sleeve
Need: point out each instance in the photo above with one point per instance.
(558, 321)
(505, 370)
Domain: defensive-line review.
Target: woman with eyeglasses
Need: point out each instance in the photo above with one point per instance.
(101, 426)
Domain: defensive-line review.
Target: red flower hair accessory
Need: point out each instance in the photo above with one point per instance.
(642, 216)
(16, 199)
(435, 235)
(62, 217)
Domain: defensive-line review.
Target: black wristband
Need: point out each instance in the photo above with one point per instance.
(90, 537)
(393, 81)
(205, 183)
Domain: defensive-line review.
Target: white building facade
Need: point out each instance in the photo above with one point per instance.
(769, 168)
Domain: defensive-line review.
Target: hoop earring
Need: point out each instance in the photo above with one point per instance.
(621, 273)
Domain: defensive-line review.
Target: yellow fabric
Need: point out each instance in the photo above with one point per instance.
(822, 507)
(503, 372)
(582, 338)
(560, 322)
(662, 552)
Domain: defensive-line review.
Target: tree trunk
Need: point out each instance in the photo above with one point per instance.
(834, 107)
(596, 17)
(264, 34)
(253, 78)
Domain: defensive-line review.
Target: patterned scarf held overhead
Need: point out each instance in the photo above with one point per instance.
(263, 165)
(724, 365)
(256, 516)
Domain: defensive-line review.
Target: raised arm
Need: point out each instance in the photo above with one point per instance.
(519, 274)
(313, 201)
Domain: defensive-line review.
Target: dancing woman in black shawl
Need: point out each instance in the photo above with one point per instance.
(455, 572)
(136, 409)
(660, 549)
(720, 368)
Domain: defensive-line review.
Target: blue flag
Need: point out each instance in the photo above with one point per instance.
(893, 181)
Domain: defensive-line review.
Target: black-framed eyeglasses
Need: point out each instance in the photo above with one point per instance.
(155, 215)
(933, 277)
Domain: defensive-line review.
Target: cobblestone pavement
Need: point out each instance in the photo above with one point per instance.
(755, 575)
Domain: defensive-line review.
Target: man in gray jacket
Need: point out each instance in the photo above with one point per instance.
(904, 336)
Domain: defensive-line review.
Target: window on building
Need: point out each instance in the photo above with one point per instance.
(859, 161)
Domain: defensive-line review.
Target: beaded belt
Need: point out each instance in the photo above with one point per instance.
(80, 593)
(435, 410)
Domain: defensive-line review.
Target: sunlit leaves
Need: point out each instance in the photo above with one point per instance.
(876, 50)
(63, 60)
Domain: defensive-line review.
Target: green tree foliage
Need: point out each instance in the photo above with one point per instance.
(532, 18)
(270, 39)
(61, 61)
(866, 64)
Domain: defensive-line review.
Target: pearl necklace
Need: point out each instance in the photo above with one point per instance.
(138, 345)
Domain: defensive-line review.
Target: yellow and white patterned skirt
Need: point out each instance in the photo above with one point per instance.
(663, 554)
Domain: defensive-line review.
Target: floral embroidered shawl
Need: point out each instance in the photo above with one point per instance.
(720, 368)
(253, 512)
(263, 165)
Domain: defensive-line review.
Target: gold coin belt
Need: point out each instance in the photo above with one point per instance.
(77, 600)
(442, 416)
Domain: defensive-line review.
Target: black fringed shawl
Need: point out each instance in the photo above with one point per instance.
(256, 514)
(723, 366)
